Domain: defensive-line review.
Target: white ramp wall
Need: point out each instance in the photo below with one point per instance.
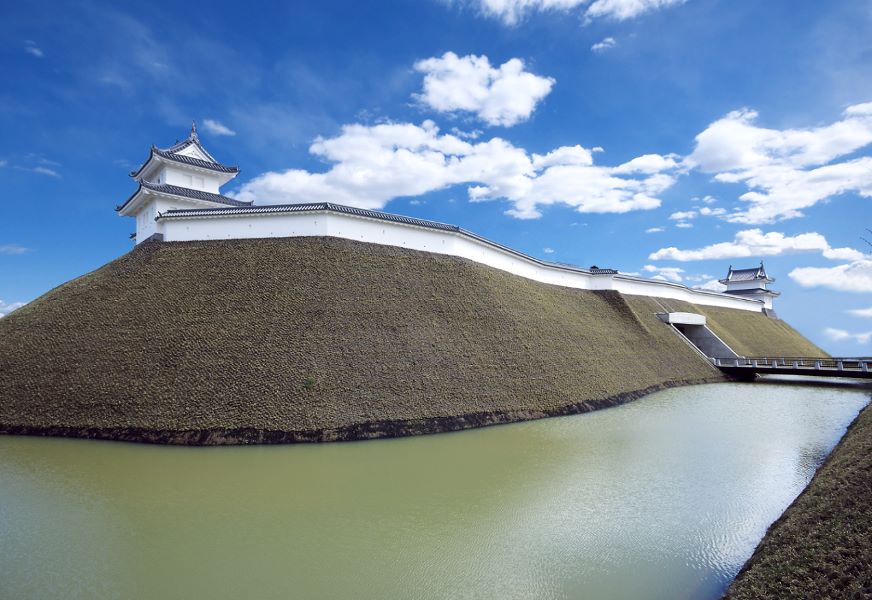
(245, 224)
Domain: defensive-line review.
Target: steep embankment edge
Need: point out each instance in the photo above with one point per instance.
(821, 546)
(357, 432)
(322, 339)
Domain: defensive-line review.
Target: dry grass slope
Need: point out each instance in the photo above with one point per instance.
(822, 546)
(749, 334)
(320, 339)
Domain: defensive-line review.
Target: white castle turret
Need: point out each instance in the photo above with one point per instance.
(183, 176)
(750, 283)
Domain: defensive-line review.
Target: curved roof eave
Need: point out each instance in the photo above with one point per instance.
(184, 193)
(158, 154)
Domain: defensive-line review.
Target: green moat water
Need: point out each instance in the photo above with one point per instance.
(665, 497)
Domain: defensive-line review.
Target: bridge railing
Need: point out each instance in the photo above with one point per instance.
(796, 362)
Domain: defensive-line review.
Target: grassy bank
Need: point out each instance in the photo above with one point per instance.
(322, 338)
(821, 547)
(749, 334)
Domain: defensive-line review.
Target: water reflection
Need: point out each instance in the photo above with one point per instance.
(662, 498)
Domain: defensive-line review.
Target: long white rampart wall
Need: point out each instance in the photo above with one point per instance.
(454, 243)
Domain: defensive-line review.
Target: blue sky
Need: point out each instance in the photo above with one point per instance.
(662, 137)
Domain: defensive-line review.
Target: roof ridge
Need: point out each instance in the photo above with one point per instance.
(192, 139)
(184, 192)
(172, 153)
(194, 161)
(317, 206)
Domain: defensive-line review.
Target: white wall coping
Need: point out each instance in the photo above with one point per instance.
(685, 318)
(239, 223)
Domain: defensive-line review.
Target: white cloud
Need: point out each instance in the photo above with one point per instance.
(665, 273)
(786, 170)
(753, 242)
(6, 308)
(678, 275)
(45, 171)
(866, 313)
(40, 171)
(684, 216)
(842, 335)
(13, 249)
(712, 285)
(31, 48)
(621, 10)
(605, 44)
(655, 230)
(565, 155)
(511, 12)
(647, 163)
(375, 164)
(548, 250)
(505, 95)
(851, 277)
(467, 135)
(217, 128)
(688, 215)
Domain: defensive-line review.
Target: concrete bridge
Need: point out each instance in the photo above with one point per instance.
(693, 329)
(749, 366)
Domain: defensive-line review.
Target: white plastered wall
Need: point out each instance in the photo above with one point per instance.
(146, 223)
(430, 240)
(189, 178)
(746, 285)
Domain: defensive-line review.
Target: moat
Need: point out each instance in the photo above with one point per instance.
(665, 497)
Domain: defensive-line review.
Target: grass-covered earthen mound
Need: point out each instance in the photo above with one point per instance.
(821, 547)
(320, 339)
(747, 333)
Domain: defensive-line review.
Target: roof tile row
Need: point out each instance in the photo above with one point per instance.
(174, 190)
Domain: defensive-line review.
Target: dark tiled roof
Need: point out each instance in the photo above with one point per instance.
(189, 193)
(602, 271)
(190, 160)
(752, 274)
(744, 275)
(754, 292)
(175, 190)
(185, 143)
(192, 140)
(172, 153)
(314, 206)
